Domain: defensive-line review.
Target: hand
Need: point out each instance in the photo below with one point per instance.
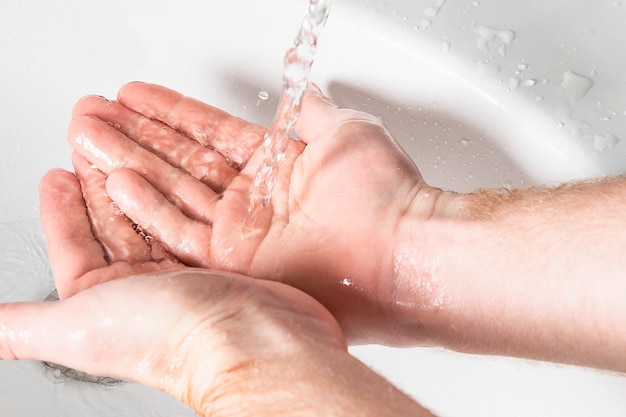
(189, 332)
(182, 169)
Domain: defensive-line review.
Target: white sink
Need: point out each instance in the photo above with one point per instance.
(480, 93)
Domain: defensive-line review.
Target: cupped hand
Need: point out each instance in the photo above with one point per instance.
(182, 169)
(131, 311)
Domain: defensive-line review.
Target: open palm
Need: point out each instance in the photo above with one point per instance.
(182, 170)
(130, 310)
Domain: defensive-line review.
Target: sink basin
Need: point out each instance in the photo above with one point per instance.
(480, 94)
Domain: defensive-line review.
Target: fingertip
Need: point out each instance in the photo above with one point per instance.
(54, 184)
(78, 129)
(151, 100)
(130, 87)
(21, 330)
(315, 93)
(142, 91)
(53, 176)
(120, 175)
(88, 105)
(112, 182)
(81, 125)
(120, 186)
(318, 110)
(315, 87)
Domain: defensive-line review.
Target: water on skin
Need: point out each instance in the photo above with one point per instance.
(60, 373)
(298, 62)
(26, 274)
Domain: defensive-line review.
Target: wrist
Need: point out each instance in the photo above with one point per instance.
(328, 382)
(434, 219)
(535, 273)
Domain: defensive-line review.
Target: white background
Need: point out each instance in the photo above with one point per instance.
(423, 72)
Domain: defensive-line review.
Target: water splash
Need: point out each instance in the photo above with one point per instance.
(298, 62)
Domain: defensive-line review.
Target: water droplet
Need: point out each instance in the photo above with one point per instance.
(514, 83)
(488, 36)
(426, 23)
(603, 143)
(530, 83)
(464, 143)
(263, 95)
(434, 11)
(575, 86)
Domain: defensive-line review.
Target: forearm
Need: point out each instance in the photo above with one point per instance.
(323, 383)
(537, 273)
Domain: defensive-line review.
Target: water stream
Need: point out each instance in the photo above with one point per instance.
(298, 63)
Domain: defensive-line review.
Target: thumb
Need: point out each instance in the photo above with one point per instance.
(30, 331)
(319, 113)
(321, 117)
(52, 332)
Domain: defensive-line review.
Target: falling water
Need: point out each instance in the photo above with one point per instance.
(298, 62)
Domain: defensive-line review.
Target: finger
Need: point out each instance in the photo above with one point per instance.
(231, 136)
(321, 117)
(81, 332)
(318, 116)
(121, 239)
(110, 149)
(169, 144)
(23, 330)
(72, 248)
(187, 239)
(111, 228)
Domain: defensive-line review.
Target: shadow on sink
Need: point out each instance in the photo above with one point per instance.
(451, 152)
